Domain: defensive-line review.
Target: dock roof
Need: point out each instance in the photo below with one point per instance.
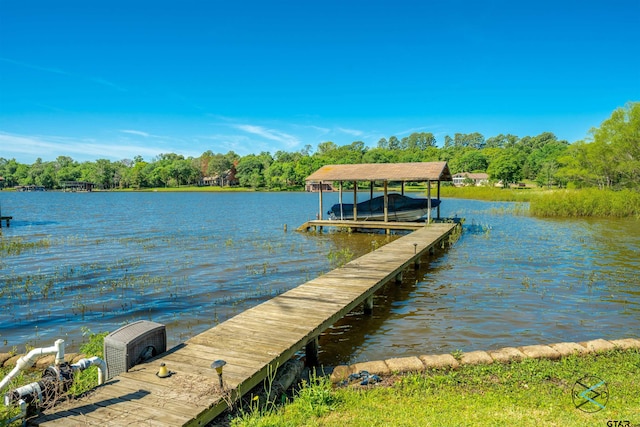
(395, 172)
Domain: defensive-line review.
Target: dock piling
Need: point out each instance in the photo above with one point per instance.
(368, 305)
(311, 352)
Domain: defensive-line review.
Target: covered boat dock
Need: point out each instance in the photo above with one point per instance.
(373, 173)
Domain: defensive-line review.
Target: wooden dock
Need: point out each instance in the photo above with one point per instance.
(252, 343)
(6, 219)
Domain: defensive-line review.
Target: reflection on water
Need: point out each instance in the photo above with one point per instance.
(193, 260)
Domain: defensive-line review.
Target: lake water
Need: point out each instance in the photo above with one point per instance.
(192, 260)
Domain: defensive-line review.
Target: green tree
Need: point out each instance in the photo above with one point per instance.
(547, 155)
(383, 143)
(380, 155)
(507, 167)
(251, 169)
(473, 140)
(104, 173)
(394, 143)
(419, 140)
(468, 160)
(138, 174)
(619, 136)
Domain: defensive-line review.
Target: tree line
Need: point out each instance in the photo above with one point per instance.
(609, 159)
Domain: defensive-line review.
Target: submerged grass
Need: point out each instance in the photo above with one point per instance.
(17, 245)
(533, 392)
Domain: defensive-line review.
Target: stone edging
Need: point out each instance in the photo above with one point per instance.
(503, 355)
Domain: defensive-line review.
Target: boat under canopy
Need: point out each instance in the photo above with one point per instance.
(385, 173)
(399, 208)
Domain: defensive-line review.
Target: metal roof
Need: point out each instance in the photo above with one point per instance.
(423, 171)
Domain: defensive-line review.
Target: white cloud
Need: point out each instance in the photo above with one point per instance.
(289, 140)
(135, 132)
(321, 130)
(27, 148)
(353, 132)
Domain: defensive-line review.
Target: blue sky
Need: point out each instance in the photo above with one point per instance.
(115, 79)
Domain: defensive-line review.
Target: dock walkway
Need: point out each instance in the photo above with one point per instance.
(252, 343)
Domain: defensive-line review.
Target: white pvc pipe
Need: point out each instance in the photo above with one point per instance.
(29, 359)
(83, 364)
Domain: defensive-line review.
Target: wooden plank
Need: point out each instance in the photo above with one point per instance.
(155, 400)
(245, 358)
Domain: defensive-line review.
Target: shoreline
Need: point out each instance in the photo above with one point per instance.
(404, 365)
(401, 365)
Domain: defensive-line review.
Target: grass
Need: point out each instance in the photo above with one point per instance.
(529, 393)
(493, 194)
(588, 202)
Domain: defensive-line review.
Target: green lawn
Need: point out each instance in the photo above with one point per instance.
(528, 393)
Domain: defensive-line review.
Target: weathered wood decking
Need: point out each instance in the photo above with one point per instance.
(251, 343)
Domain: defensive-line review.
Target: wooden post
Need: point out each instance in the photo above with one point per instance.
(372, 183)
(438, 208)
(428, 202)
(320, 214)
(402, 188)
(355, 200)
(368, 305)
(340, 201)
(386, 204)
(399, 278)
(311, 352)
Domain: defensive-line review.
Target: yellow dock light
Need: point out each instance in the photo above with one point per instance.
(218, 365)
(163, 372)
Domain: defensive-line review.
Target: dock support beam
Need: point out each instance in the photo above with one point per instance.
(399, 278)
(311, 352)
(368, 305)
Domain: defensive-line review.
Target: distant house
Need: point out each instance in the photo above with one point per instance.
(227, 178)
(477, 178)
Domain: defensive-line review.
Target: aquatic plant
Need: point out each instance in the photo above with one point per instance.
(490, 193)
(17, 245)
(587, 202)
(338, 258)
